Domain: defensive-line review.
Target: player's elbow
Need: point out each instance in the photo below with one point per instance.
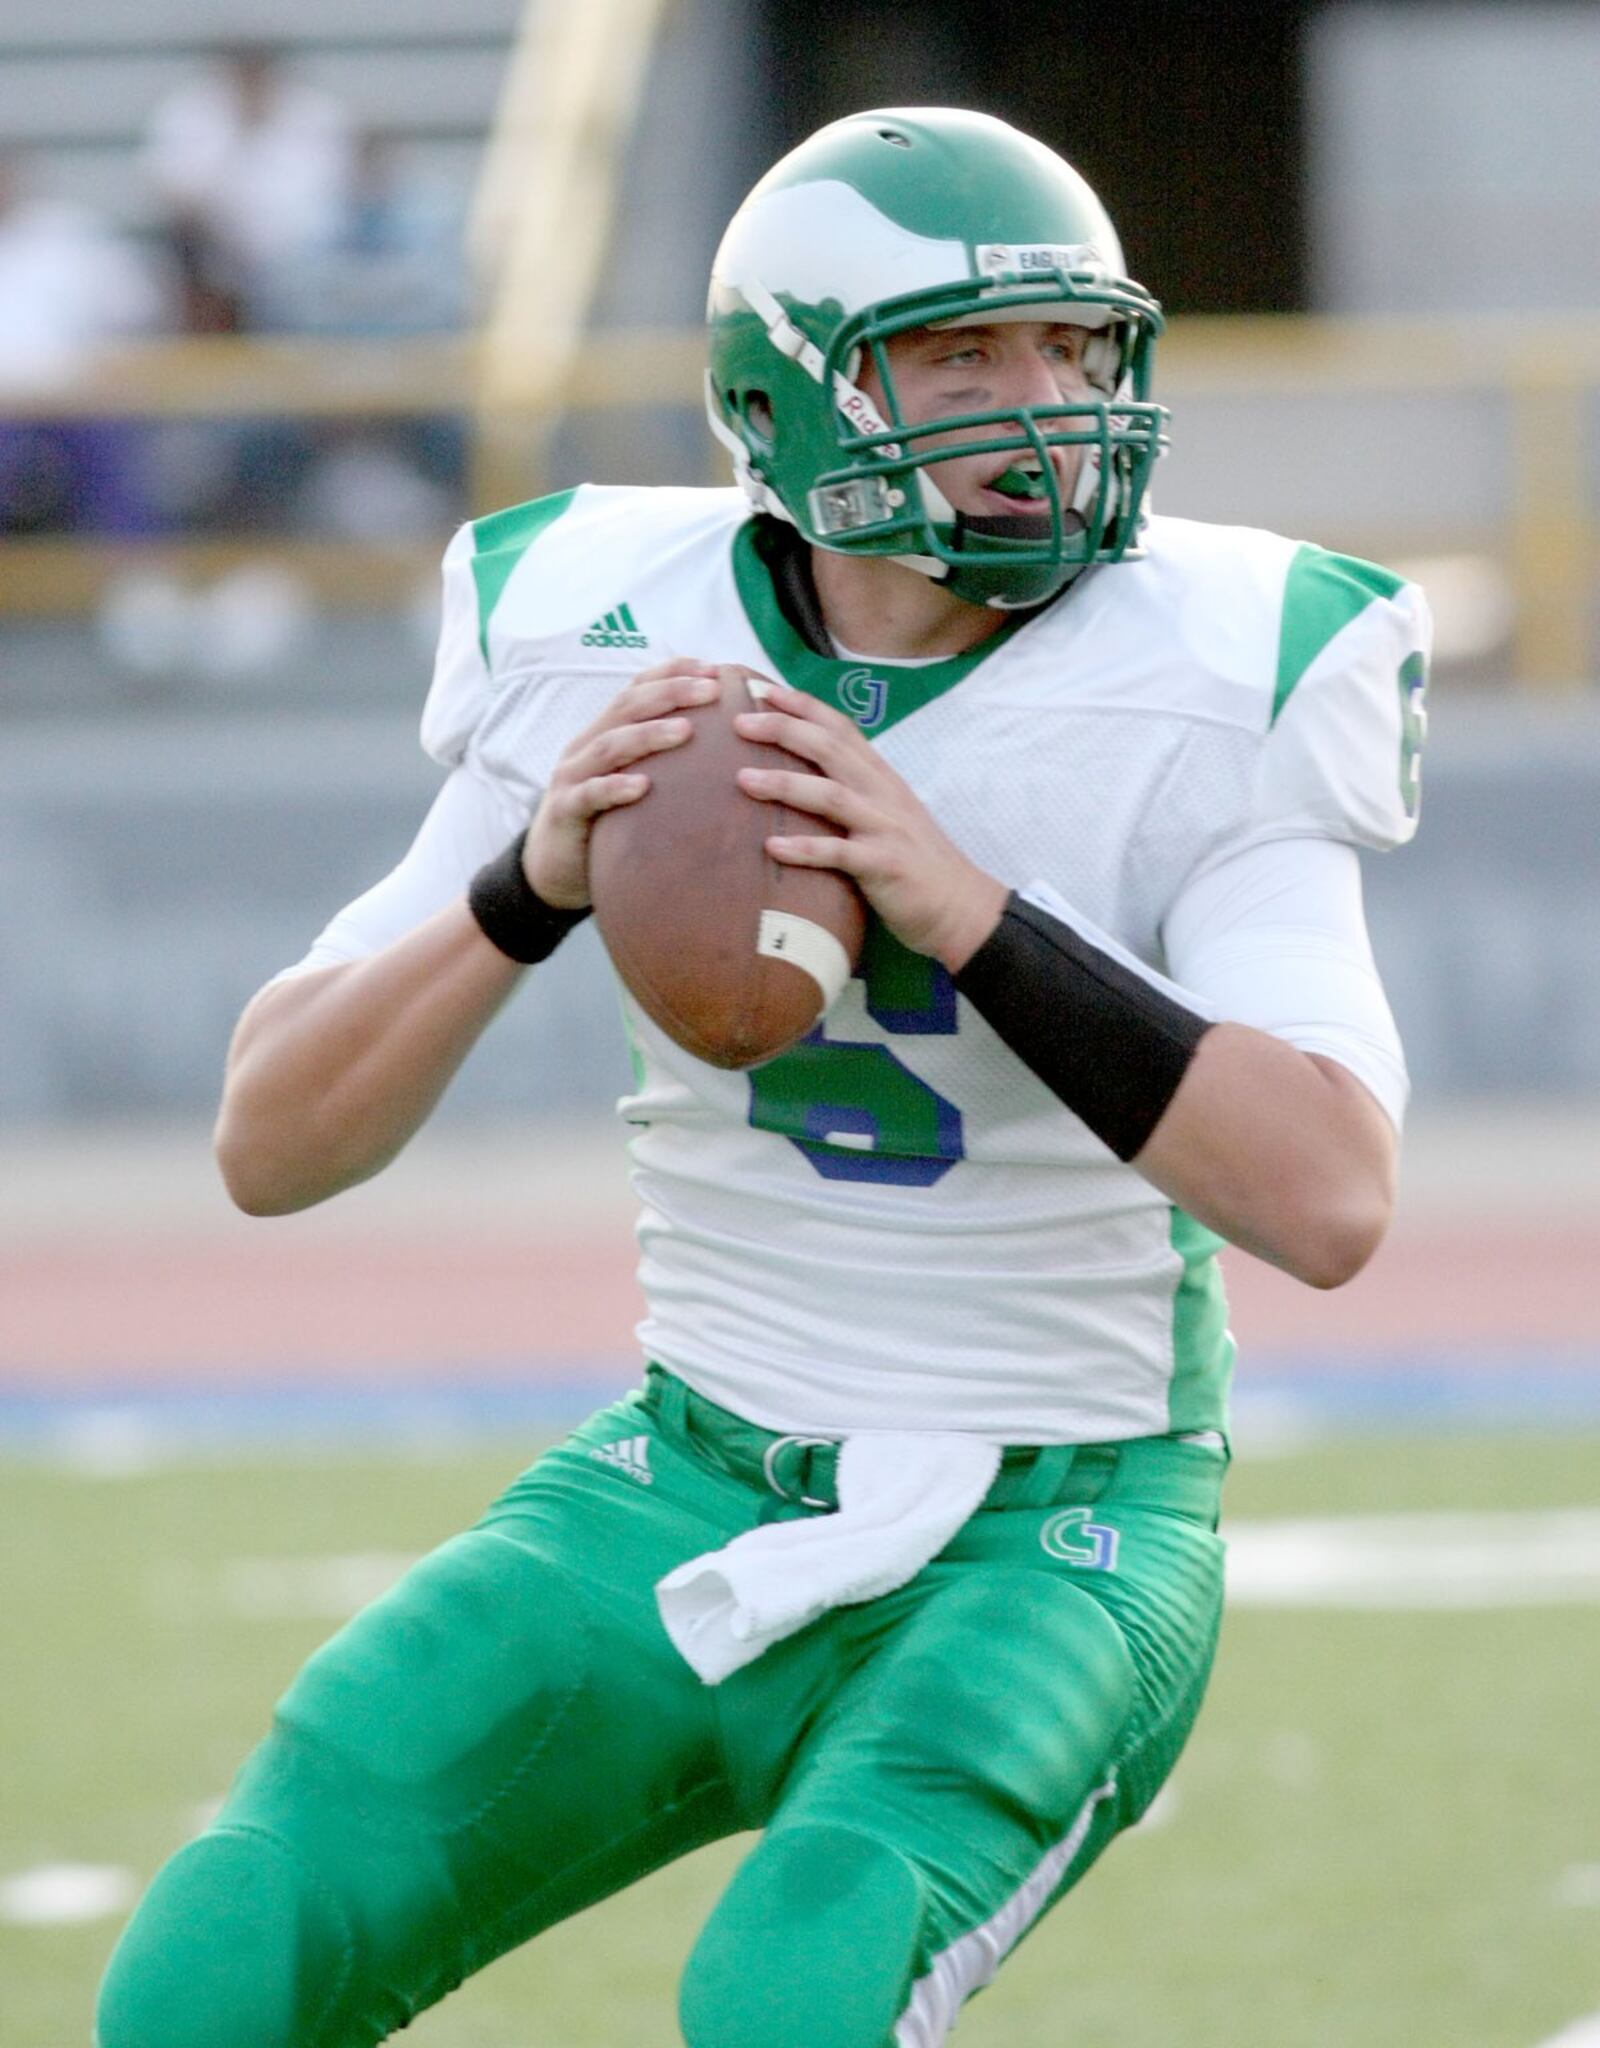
(264, 1174)
(1336, 1232)
(1343, 1186)
(251, 1184)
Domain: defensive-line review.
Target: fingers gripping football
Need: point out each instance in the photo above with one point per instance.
(604, 768)
(727, 951)
(926, 890)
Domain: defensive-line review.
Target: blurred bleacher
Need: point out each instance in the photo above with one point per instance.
(78, 83)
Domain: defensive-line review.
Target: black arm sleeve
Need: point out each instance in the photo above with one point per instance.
(1109, 1044)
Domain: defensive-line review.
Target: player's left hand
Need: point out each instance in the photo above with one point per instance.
(918, 881)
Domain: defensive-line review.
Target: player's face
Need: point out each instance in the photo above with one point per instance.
(943, 371)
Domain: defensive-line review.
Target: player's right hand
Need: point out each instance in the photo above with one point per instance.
(602, 769)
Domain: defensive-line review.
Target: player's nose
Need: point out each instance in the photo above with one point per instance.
(1041, 374)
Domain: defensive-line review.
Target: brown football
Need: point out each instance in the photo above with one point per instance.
(734, 955)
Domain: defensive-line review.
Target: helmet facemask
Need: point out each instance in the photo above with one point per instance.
(873, 492)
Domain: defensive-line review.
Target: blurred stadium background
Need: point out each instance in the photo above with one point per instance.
(229, 460)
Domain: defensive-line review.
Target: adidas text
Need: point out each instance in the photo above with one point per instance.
(615, 629)
(631, 1454)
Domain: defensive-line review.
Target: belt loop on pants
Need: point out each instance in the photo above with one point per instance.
(801, 1469)
(1040, 1478)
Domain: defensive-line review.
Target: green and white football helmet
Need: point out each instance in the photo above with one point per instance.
(914, 217)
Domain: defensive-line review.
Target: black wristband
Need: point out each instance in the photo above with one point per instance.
(512, 914)
(1109, 1044)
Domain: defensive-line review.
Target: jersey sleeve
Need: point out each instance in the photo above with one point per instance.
(462, 685)
(1276, 937)
(470, 821)
(1341, 755)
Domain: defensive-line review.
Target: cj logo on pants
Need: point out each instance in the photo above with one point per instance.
(1075, 1539)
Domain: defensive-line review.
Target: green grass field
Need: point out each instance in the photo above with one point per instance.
(1385, 1834)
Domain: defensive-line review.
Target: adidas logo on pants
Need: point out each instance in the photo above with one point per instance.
(631, 1455)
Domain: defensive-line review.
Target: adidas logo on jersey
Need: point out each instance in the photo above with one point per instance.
(615, 629)
(630, 1454)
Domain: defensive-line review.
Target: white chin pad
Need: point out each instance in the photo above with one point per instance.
(934, 502)
(1083, 494)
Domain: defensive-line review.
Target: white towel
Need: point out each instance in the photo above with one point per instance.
(902, 1495)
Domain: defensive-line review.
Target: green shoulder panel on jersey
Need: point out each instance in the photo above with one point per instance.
(1202, 1346)
(499, 543)
(1322, 594)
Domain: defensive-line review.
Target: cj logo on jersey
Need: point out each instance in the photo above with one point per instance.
(1075, 1539)
(865, 696)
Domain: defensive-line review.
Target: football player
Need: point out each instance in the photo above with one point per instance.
(904, 1552)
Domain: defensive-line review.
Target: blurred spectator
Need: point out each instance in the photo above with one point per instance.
(68, 284)
(254, 167)
(395, 263)
(280, 219)
(395, 266)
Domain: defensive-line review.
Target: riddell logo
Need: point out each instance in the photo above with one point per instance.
(615, 629)
(863, 415)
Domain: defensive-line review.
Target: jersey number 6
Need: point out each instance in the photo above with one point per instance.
(854, 1110)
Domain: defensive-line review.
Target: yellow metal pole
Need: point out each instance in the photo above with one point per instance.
(543, 217)
(1552, 539)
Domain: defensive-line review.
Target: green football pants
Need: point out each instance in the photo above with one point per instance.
(509, 1735)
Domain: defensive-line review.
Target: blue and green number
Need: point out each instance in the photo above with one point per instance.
(854, 1109)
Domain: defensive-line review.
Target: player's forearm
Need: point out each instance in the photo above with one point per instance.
(1284, 1154)
(1281, 1152)
(331, 1073)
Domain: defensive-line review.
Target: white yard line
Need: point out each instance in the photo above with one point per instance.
(1581, 2034)
(1409, 1562)
(1579, 1885)
(1418, 1561)
(66, 1894)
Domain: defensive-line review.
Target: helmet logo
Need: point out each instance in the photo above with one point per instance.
(1024, 259)
(862, 414)
(865, 696)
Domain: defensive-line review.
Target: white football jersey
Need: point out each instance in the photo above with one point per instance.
(897, 1222)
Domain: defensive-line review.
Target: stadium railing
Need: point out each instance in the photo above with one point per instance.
(1538, 387)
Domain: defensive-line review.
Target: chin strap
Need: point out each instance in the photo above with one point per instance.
(1029, 527)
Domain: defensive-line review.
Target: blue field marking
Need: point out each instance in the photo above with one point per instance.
(133, 1420)
(1494, 1390)
(128, 1424)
